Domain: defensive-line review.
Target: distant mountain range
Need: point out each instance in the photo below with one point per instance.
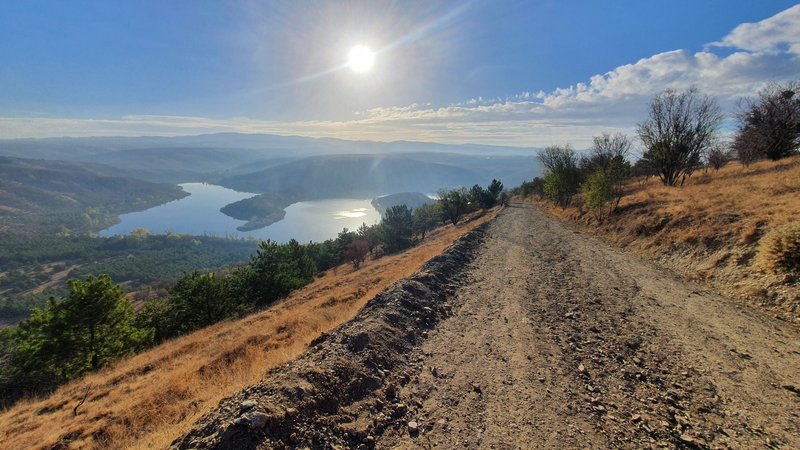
(283, 169)
(213, 156)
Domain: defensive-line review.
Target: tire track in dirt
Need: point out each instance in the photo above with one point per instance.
(575, 344)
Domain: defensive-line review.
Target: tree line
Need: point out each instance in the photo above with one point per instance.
(94, 324)
(680, 135)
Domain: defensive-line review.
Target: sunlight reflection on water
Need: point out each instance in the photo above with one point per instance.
(199, 213)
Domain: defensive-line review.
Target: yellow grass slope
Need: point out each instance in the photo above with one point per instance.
(709, 230)
(148, 400)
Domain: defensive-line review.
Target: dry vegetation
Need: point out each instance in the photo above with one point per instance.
(710, 229)
(148, 400)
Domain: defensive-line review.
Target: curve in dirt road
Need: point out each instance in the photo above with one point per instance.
(535, 336)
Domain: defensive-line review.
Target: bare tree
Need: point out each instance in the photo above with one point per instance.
(769, 125)
(746, 152)
(681, 126)
(609, 153)
(717, 157)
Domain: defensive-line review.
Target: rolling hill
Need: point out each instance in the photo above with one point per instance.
(45, 194)
(352, 176)
(339, 176)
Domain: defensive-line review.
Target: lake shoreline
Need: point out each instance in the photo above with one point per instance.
(200, 214)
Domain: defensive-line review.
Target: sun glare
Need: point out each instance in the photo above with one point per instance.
(360, 59)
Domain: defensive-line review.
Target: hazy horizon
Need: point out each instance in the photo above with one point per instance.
(526, 75)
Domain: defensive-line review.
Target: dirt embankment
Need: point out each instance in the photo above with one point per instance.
(330, 396)
(528, 333)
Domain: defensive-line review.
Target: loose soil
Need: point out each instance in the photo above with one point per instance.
(530, 334)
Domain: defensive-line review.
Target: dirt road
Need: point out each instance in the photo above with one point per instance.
(551, 339)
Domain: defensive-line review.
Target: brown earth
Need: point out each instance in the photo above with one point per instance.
(530, 334)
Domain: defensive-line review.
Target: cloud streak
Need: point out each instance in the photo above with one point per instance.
(737, 65)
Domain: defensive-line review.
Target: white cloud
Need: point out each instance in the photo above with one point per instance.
(754, 54)
(769, 35)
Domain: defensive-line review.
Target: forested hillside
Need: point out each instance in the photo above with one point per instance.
(57, 195)
(352, 175)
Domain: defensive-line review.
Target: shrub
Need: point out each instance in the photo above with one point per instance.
(598, 192)
(779, 250)
(608, 163)
(528, 188)
(560, 187)
(453, 203)
(717, 157)
(356, 252)
(609, 153)
(563, 175)
(486, 198)
(745, 152)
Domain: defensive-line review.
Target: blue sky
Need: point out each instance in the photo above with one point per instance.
(502, 72)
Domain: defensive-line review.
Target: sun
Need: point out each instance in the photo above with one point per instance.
(360, 59)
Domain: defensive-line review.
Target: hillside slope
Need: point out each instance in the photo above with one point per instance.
(529, 334)
(346, 176)
(150, 399)
(710, 229)
(31, 189)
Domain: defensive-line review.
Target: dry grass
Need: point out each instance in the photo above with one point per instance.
(710, 228)
(149, 400)
(779, 250)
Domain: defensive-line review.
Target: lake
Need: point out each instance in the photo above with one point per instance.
(199, 214)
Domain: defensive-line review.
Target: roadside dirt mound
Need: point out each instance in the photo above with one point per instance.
(343, 391)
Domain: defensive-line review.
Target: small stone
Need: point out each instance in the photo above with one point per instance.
(242, 421)
(637, 361)
(413, 427)
(257, 420)
(247, 405)
(636, 418)
(689, 439)
(291, 411)
(581, 368)
(682, 420)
